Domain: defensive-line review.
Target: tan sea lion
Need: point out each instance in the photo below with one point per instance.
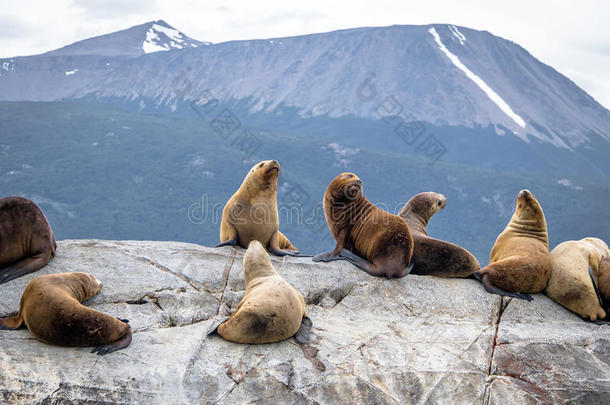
(603, 284)
(51, 309)
(271, 310)
(571, 283)
(251, 213)
(368, 237)
(520, 262)
(27, 242)
(432, 256)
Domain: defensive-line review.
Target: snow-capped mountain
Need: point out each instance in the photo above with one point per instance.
(440, 74)
(151, 37)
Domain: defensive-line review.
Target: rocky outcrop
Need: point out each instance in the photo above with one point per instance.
(414, 340)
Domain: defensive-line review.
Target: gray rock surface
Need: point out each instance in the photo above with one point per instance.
(411, 341)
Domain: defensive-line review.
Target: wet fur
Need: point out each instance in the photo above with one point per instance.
(520, 260)
(51, 308)
(432, 256)
(381, 238)
(271, 310)
(570, 283)
(252, 214)
(27, 242)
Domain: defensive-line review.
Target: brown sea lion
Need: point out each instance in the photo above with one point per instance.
(571, 284)
(603, 284)
(433, 256)
(520, 262)
(271, 310)
(373, 240)
(27, 242)
(251, 213)
(51, 309)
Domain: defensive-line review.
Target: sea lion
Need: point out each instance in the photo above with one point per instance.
(373, 240)
(603, 284)
(251, 213)
(570, 283)
(271, 310)
(520, 262)
(27, 242)
(432, 256)
(51, 309)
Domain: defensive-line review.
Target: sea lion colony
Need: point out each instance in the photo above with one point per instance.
(575, 273)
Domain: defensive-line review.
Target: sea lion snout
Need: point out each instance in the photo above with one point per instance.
(525, 193)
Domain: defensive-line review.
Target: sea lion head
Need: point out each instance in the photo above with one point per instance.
(599, 245)
(263, 176)
(528, 216)
(83, 285)
(345, 188)
(424, 205)
(257, 262)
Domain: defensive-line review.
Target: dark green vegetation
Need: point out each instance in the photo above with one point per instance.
(105, 172)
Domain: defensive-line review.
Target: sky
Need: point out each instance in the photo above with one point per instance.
(571, 36)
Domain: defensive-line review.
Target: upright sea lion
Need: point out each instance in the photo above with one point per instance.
(520, 262)
(431, 256)
(603, 284)
(271, 311)
(51, 309)
(570, 283)
(368, 237)
(251, 213)
(27, 242)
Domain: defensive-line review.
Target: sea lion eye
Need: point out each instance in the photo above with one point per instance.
(346, 176)
(261, 165)
(439, 202)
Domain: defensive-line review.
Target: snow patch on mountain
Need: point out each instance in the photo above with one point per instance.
(456, 33)
(164, 38)
(479, 82)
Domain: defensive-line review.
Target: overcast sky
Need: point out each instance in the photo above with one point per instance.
(571, 36)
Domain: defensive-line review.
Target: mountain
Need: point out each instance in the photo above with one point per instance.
(116, 143)
(61, 73)
(441, 74)
(150, 37)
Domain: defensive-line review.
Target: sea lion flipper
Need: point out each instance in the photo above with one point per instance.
(492, 289)
(327, 257)
(280, 252)
(599, 297)
(232, 242)
(11, 322)
(114, 346)
(303, 334)
(24, 266)
(358, 261)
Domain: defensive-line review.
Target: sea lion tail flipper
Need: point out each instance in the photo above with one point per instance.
(327, 257)
(114, 346)
(11, 322)
(358, 261)
(24, 266)
(303, 334)
(232, 242)
(281, 252)
(599, 297)
(492, 289)
(601, 322)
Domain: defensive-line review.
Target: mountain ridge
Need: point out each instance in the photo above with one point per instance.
(460, 76)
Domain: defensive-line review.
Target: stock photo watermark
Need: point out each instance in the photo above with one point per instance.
(392, 112)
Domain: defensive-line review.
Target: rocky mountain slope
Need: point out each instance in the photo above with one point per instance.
(414, 340)
(441, 74)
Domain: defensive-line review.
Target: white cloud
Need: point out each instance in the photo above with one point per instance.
(569, 36)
